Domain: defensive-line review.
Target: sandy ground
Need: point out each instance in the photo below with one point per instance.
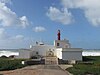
(38, 70)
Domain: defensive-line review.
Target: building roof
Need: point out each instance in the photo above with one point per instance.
(25, 49)
(71, 49)
(43, 45)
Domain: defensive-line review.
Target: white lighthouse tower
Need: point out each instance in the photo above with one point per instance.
(61, 43)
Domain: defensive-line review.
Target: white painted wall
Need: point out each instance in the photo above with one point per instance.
(33, 53)
(59, 53)
(42, 49)
(62, 44)
(24, 54)
(72, 54)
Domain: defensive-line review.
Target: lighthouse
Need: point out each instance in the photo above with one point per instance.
(58, 34)
(60, 43)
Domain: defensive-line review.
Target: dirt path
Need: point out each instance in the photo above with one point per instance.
(38, 70)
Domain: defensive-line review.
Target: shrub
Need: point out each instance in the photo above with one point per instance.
(7, 64)
(3, 56)
(12, 56)
(85, 69)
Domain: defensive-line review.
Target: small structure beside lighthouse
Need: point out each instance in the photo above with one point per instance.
(60, 50)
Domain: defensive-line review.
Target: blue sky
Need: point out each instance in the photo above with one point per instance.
(22, 22)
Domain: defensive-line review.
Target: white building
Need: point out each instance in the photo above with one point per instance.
(61, 49)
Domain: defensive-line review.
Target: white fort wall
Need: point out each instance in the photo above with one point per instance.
(72, 54)
(42, 49)
(24, 53)
(59, 53)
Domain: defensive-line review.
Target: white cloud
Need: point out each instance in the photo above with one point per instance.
(17, 38)
(5, 1)
(91, 9)
(10, 18)
(62, 16)
(39, 29)
(17, 41)
(24, 21)
(3, 34)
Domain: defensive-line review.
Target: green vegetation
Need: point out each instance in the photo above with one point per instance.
(10, 64)
(82, 68)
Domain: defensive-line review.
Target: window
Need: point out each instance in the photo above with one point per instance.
(37, 53)
(57, 44)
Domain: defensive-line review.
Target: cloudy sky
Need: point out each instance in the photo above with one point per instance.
(23, 22)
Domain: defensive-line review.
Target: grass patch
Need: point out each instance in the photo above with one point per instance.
(9, 64)
(84, 69)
